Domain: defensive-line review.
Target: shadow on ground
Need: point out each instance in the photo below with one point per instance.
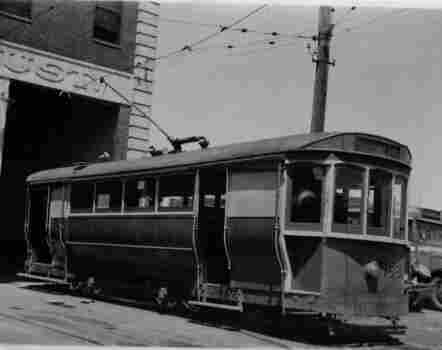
(306, 329)
(309, 330)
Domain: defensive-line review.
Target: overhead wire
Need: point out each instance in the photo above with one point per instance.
(192, 48)
(262, 49)
(241, 30)
(341, 19)
(189, 47)
(232, 46)
(373, 20)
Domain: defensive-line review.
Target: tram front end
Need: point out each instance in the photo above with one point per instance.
(344, 235)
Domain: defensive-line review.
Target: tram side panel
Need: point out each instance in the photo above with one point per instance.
(132, 248)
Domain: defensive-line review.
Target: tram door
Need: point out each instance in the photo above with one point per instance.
(211, 226)
(38, 230)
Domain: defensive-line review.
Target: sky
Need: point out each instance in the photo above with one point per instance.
(387, 79)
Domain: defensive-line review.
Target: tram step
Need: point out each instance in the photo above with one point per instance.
(42, 278)
(216, 305)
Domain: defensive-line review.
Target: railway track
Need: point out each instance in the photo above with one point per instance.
(50, 328)
(72, 326)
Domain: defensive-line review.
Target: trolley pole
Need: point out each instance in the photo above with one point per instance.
(322, 60)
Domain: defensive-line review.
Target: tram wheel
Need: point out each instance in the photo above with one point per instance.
(436, 295)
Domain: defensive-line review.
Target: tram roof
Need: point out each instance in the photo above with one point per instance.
(226, 153)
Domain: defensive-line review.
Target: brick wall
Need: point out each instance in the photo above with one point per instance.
(68, 30)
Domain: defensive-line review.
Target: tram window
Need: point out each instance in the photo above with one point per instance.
(306, 194)
(108, 196)
(379, 200)
(214, 200)
(82, 197)
(139, 194)
(56, 201)
(176, 193)
(399, 207)
(347, 206)
(209, 201)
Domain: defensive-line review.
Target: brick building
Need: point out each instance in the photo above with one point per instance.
(53, 109)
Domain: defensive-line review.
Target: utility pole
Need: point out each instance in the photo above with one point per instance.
(322, 59)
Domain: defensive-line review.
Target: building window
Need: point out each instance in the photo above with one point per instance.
(82, 197)
(20, 8)
(176, 193)
(347, 207)
(306, 193)
(107, 22)
(108, 196)
(140, 195)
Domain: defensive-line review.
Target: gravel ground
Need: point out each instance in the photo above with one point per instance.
(34, 313)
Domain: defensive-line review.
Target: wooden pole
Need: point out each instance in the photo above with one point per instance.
(322, 60)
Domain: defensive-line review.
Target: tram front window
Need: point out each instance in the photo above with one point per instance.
(306, 194)
(379, 199)
(347, 213)
(399, 207)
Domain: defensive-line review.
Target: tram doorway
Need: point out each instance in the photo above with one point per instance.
(211, 219)
(45, 129)
(37, 233)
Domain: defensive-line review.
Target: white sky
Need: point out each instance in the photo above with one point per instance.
(387, 79)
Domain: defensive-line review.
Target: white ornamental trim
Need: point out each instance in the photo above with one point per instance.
(43, 68)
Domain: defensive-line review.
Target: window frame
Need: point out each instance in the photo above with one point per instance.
(371, 230)
(327, 214)
(160, 209)
(110, 209)
(359, 229)
(82, 210)
(136, 211)
(102, 6)
(152, 209)
(403, 216)
(305, 226)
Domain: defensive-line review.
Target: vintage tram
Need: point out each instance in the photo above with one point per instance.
(313, 222)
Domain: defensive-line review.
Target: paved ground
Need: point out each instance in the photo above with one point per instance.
(32, 313)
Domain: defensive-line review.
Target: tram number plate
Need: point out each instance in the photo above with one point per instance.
(392, 270)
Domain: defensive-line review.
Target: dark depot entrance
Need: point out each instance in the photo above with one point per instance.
(44, 129)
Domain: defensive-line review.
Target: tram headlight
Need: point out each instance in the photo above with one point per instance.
(372, 269)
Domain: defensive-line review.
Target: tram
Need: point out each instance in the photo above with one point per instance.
(304, 223)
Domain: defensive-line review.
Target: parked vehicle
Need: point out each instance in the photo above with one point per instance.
(305, 223)
(426, 256)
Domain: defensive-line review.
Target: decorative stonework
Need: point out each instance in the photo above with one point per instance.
(144, 65)
(42, 68)
(23, 63)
